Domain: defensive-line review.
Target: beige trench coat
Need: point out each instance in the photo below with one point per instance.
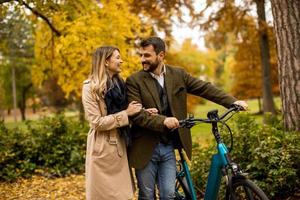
(107, 172)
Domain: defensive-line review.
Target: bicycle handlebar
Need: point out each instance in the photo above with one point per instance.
(212, 117)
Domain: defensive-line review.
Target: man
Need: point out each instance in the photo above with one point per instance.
(165, 88)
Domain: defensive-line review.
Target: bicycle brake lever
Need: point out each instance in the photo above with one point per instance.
(186, 123)
(189, 123)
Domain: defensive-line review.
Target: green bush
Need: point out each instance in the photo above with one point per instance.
(270, 156)
(53, 146)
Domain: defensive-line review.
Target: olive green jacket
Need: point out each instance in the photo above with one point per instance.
(146, 129)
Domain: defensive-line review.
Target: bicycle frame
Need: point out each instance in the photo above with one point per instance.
(187, 174)
(219, 160)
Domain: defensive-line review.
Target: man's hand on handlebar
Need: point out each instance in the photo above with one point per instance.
(242, 104)
(171, 123)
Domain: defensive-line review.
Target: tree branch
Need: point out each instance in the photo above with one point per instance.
(37, 13)
(4, 1)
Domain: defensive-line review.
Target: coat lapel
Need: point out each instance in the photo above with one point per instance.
(169, 86)
(151, 86)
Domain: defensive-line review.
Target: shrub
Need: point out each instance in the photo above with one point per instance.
(270, 156)
(200, 166)
(53, 146)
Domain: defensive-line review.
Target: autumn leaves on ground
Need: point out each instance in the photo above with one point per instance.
(39, 188)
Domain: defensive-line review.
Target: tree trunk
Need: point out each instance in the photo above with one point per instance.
(22, 106)
(286, 14)
(259, 105)
(14, 91)
(22, 111)
(268, 103)
(23, 101)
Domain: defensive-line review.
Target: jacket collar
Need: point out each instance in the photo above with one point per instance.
(150, 84)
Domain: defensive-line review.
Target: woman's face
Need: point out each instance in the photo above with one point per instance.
(114, 63)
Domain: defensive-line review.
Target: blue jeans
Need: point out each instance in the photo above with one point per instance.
(161, 169)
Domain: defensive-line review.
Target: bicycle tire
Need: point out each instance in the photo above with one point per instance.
(182, 183)
(244, 189)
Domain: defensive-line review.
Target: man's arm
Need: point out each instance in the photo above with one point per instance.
(143, 119)
(207, 90)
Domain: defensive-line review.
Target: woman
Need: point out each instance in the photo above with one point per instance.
(106, 109)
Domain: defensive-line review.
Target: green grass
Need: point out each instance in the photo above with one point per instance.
(21, 124)
(11, 125)
(202, 132)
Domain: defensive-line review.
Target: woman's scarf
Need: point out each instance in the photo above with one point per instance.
(116, 101)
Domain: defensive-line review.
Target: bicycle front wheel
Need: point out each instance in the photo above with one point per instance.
(244, 189)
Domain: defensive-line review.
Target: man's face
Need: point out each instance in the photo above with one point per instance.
(149, 59)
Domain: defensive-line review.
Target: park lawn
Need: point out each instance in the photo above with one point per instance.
(202, 132)
(18, 124)
(22, 124)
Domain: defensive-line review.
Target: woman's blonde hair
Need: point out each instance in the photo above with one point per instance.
(99, 72)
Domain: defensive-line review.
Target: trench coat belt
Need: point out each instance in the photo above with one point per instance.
(112, 138)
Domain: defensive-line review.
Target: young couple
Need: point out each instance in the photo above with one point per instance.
(152, 101)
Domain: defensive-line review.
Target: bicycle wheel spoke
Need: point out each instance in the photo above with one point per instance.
(249, 193)
(246, 190)
(233, 196)
(244, 193)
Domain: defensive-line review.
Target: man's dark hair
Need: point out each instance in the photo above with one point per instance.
(157, 43)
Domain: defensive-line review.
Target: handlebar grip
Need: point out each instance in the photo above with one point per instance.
(181, 122)
(186, 123)
(237, 107)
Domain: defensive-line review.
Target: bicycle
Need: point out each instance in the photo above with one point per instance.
(238, 186)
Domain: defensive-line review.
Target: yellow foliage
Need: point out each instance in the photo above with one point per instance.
(68, 57)
(247, 78)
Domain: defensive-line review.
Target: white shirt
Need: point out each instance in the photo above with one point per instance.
(160, 78)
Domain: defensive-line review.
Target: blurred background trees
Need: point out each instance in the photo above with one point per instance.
(45, 55)
(17, 43)
(48, 46)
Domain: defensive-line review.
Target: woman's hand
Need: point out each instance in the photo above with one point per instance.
(133, 108)
(151, 111)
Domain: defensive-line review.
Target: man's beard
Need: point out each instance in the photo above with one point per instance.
(152, 66)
